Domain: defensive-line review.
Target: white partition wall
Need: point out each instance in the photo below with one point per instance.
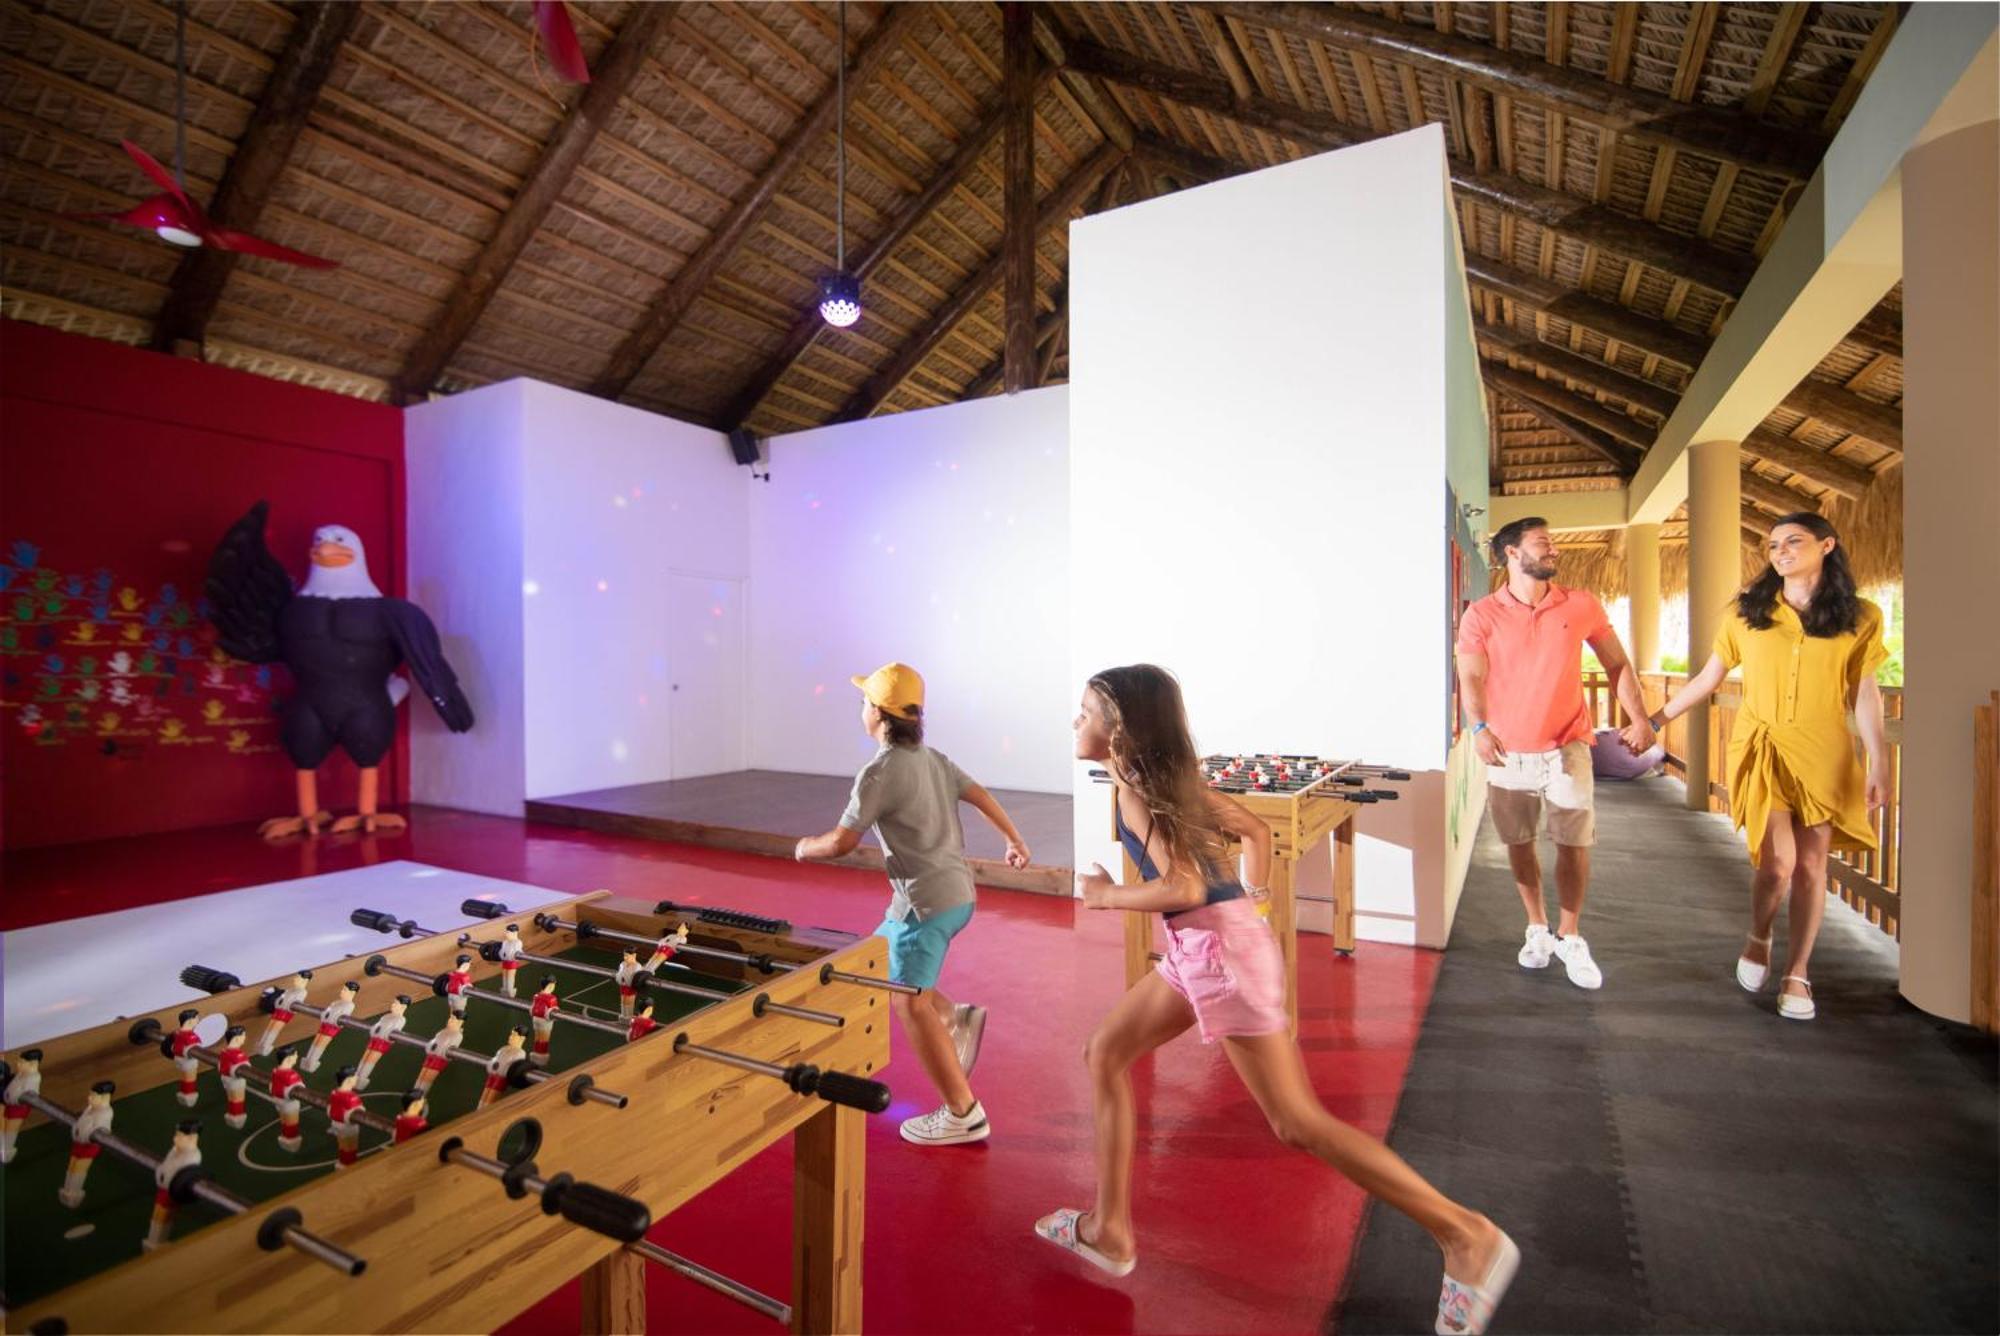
(1260, 409)
(940, 538)
(594, 558)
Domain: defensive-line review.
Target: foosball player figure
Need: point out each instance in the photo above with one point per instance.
(457, 983)
(283, 1077)
(83, 1149)
(22, 1080)
(343, 1108)
(510, 958)
(643, 1024)
(232, 1064)
(627, 975)
(380, 1037)
(542, 1015)
(281, 1011)
(669, 947)
(330, 1018)
(183, 1039)
(412, 1120)
(500, 1064)
(437, 1053)
(186, 1152)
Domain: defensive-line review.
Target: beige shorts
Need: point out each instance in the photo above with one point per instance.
(1517, 788)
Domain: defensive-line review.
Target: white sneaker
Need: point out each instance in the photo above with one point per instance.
(942, 1127)
(1574, 953)
(1541, 944)
(968, 1027)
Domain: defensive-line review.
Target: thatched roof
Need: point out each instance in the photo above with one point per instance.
(656, 236)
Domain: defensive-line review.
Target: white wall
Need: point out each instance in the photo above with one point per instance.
(544, 528)
(1257, 467)
(616, 500)
(463, 459)
(940, 538)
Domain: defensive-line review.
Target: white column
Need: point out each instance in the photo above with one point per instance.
(1715, 572)
(1642, 587)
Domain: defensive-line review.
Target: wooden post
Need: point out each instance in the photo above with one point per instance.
(1284, 922)
(614, 1296)
(1986, 865)
(1017, 242)
(1138, 923)
(828, 1194)
(1343, 886)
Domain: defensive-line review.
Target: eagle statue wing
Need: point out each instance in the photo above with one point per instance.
(247, 588)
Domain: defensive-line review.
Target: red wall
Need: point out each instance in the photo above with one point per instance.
(121, 469)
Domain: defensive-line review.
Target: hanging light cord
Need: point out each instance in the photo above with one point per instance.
(180, 93)
(840, 140)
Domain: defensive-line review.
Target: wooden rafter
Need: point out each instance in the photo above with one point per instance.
(1773, 496)
(1017, 238)
(1816, 466)
(660, 320)
(1054, 210)
(1654, 398)
(1551, 298)
(247, 185)
(808, 327)
(1617, 457)
(1641, 116)
(1847, 411)
(1619, 427)
(540, 188)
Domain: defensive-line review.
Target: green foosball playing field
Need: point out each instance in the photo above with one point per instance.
(48, 1246)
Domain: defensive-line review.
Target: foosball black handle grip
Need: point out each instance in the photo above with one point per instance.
(375, 920)
(210, 980)
(482, 909)
(600, 1210)
(856, 1092)
(1384, 795)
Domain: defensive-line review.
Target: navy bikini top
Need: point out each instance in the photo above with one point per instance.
(1227, 888)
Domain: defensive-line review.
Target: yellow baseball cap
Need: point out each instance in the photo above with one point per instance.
(894, 688)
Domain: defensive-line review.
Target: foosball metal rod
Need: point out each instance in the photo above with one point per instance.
(761, 962)
(381, 921)
(645, 978)
(435, 982)
(857, 1092)
(281, 1228)
(152, 1032)
(714, 1280)
(595, 1208)
(827, 974)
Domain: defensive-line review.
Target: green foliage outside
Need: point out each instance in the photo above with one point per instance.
(1889, 598)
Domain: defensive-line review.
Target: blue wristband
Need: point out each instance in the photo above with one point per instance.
(1479, 728)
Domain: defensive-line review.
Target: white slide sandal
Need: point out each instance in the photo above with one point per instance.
(1060, 1228)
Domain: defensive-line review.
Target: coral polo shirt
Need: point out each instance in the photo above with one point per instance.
(1534, 658)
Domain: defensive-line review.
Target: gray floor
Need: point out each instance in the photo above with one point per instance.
(1668, 1153)
(792, 804)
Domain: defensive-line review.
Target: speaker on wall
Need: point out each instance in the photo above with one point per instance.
(743, 445)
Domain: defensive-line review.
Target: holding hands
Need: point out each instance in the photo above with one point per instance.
(1637, 736)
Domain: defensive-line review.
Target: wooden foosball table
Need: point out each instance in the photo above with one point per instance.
(376, 1144)
(1303, 800)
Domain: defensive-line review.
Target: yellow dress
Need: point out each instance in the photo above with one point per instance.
(1789, 749)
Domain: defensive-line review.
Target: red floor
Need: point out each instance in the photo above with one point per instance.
(1236, 1234)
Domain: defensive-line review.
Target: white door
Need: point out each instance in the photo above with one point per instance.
(705, 674)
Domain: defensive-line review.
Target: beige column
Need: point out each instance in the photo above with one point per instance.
(1951, 564)
(1642, 589)
(1715, 572)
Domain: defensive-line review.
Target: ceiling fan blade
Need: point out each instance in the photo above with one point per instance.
(161, 176)
(243, 243)
(151, 213)
(559, 35)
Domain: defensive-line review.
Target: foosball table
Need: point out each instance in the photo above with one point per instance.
(348, 1148)
(1303, 799)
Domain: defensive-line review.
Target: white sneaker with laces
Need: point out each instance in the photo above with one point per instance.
(1574, 953)
(968, 1027)
(942, 1127)
(1541, 944)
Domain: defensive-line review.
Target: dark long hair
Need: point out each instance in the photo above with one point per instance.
(1153, 752)
(1836, 605)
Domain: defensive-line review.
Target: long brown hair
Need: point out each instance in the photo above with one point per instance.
(1153, 753)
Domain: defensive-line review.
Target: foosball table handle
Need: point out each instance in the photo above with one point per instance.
(482, 909)
(598, 1209)
(856, 1092)
(210, 980)
(376, 920)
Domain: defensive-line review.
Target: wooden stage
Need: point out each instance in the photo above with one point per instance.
(766, 811)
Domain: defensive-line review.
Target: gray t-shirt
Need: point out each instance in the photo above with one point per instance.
(910, 796)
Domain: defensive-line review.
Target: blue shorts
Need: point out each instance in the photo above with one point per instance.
(917, 947)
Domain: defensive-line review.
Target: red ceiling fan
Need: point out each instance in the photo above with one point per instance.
(552, 23)
(172, 215)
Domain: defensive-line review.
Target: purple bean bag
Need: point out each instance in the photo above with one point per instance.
(1610, 760)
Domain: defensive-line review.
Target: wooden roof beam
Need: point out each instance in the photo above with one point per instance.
(254, 168)
(1816, 466)
(1607, 318)
(1847, 411)
(808, 327)
(1017, 238)
(1657, 399)
(1638, 115)
(1054, 210)
(544, 184)
(1630, 435)
(895, 24)
(1775, 496)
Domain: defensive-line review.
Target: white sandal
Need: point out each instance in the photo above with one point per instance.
(1749, 974)
(1060, 1228)
(1793, 1007)
(1465, 1310)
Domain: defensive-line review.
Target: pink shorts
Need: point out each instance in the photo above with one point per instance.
(1224, 960)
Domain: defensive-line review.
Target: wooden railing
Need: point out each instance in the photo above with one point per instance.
(1870, 881)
